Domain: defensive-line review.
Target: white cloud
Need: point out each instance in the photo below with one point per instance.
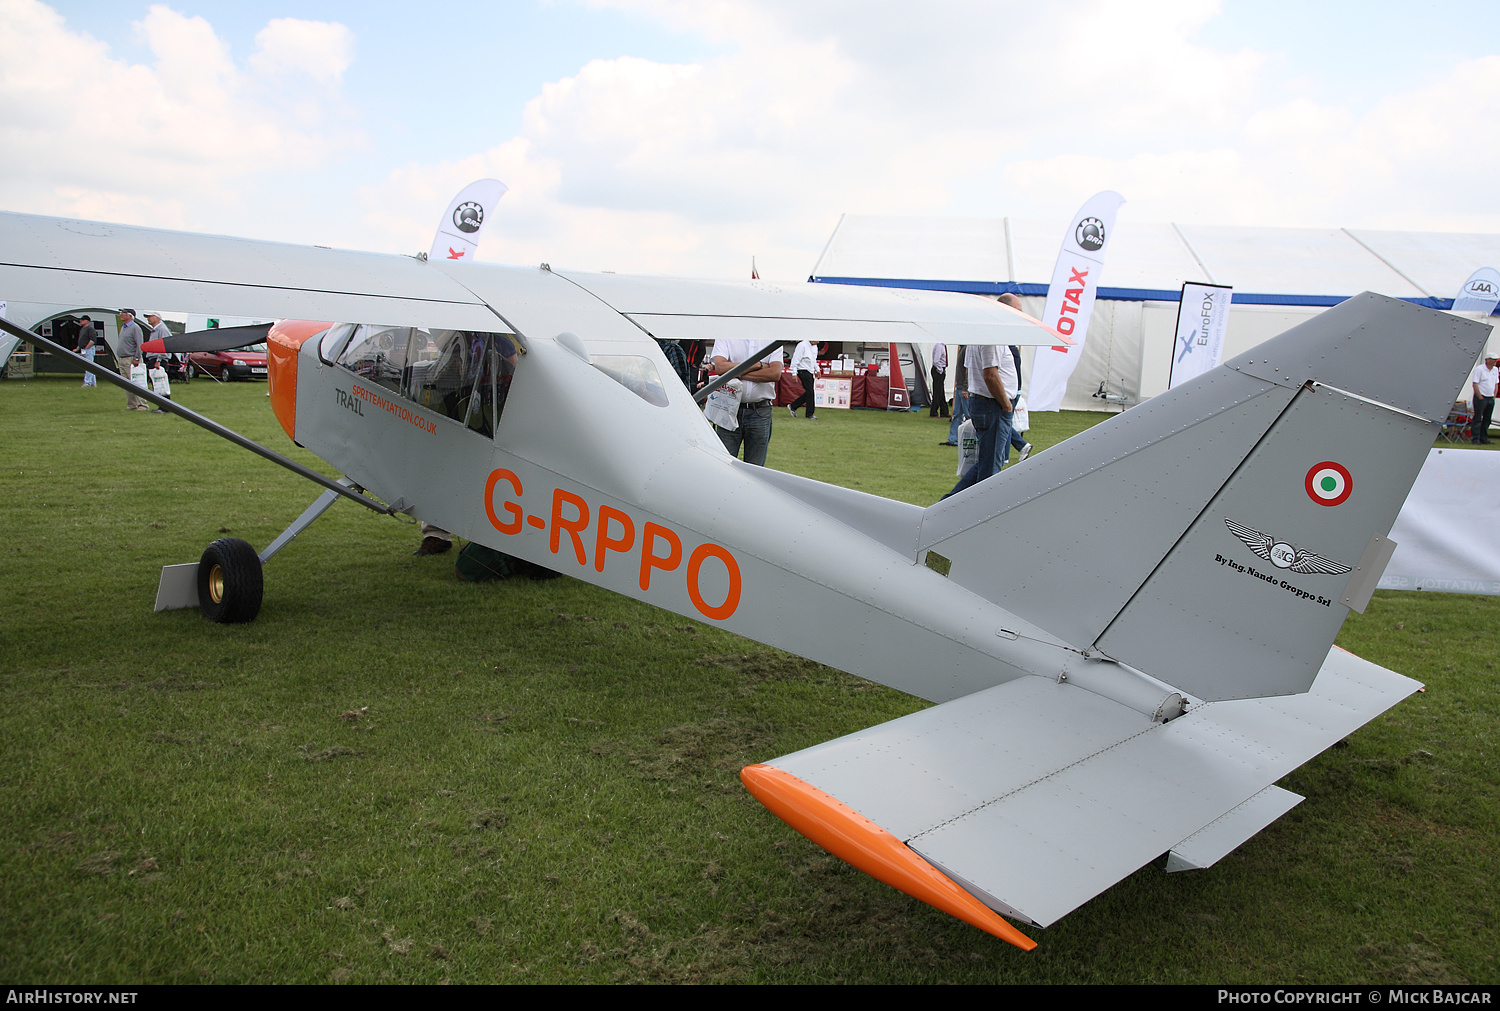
(320, 50)
(161, 143)
(969, 107)
(817, 109)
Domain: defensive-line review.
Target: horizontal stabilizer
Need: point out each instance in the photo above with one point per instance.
(1037, 795)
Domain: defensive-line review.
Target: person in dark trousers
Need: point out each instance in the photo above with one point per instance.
(1017, 439)
(939, 370)
(1484, 381)
(805, 363)
(960, 396)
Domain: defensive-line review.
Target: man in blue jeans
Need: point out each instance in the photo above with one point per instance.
(992, 377)
(758, 394)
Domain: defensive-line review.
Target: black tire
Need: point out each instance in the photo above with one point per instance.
(230, 584)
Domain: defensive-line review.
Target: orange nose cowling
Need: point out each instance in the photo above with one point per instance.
(282, 344)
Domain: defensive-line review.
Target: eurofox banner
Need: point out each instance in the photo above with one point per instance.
(1202, 317)
(1070, 297)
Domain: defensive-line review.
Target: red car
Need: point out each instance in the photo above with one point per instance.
(241, 363)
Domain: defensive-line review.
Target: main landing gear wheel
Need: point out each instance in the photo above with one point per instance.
(229, 581)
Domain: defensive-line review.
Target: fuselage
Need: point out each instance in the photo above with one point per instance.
(592, 479)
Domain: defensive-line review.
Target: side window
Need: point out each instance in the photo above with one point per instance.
(636, 374)
(496, 365)
(461, 375)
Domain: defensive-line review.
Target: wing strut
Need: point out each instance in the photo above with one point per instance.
(739, 370)
(107, 375)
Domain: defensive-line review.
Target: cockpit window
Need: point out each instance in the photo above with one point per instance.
(636, 374)
(331, 341)
(460, 374)
(378, 354)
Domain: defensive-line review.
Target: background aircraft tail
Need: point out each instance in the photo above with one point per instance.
(1244, 512)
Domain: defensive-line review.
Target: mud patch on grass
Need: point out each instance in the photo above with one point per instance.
(763, 666)
(488, 819)
(1394, 962)
(175, 737)
(701, 752)
(830, 927)
(99, 864)
(327, 754)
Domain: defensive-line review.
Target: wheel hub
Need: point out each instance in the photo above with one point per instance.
(216, 584)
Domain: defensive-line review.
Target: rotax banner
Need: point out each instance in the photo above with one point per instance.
(1070, 298)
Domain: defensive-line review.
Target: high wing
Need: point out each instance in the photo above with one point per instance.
(673, 309)
(1117, 675)
(78, 262)
(67, 262)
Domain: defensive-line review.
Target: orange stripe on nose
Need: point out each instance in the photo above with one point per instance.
(282, 344)
(858, 841)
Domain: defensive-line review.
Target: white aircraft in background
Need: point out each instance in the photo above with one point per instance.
(1120, 671)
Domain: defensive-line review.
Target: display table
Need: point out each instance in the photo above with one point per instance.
(864, 390)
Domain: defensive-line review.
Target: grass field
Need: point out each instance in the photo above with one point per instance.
(395, 776)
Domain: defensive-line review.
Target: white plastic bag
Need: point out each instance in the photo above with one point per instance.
(968, 446)
(160, 385)
(1021, 419)
(138, 375)
(723, 406)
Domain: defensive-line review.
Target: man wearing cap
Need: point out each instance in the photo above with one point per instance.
(1485, 379)
(129, 347)
(88, 347)
(159, 332)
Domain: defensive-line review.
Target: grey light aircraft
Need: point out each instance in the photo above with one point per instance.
(1129, 638)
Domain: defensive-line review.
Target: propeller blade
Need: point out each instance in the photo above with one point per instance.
(223, 339)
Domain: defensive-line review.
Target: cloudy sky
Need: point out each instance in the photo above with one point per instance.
(685, 136)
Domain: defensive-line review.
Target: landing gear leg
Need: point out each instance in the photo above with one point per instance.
(226, 583)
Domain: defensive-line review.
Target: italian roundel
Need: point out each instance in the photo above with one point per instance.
(1328, 483)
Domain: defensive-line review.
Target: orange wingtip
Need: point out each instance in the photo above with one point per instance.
(861, 843)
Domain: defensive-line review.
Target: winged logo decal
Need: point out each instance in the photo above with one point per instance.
(1284, 555)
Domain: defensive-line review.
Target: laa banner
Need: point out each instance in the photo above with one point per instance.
(1202, 316)
(1480, 292)
(1070, 297)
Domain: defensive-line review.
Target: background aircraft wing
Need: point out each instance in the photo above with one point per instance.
(1037, 795)
(674, 308)
(85, 263)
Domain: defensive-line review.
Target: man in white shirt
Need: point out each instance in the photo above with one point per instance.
(992, 380)
(939, 408)
(1485, 378)
(805, 363)
(757, 397)
(158, 332)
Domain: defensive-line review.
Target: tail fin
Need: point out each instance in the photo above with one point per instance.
(1208, 535)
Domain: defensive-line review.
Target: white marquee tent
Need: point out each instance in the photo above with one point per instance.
(1280, 276)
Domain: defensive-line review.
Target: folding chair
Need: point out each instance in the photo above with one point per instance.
(1456, 428)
